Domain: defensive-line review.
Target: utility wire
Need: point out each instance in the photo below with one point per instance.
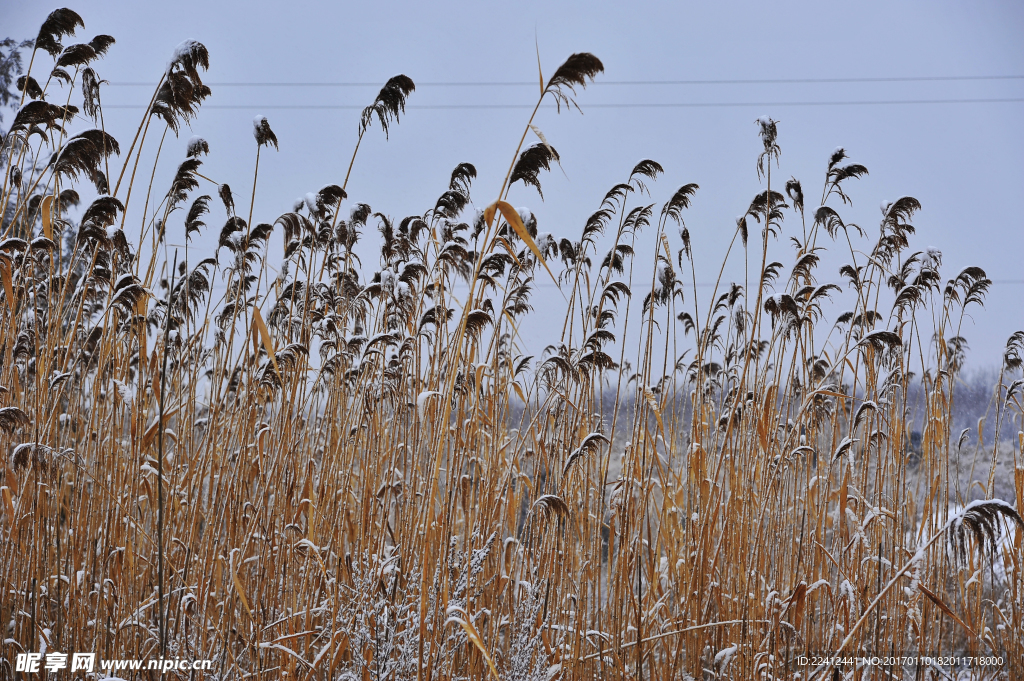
(533, 83)
(724, 284)
(700, 284)
(668, 105)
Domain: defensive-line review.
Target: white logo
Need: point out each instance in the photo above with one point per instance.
(33, 663)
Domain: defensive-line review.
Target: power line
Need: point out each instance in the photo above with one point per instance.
(723, 285)
(668, 105)
(723, 81)
(700, 284)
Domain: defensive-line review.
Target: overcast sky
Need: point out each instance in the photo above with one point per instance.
(961, 159)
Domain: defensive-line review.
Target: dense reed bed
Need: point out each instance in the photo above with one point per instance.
(344, 469)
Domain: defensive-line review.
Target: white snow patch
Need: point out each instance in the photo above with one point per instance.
(184, 49)
(724, 657)
(421, 400)
(310, 200)
(195, 144)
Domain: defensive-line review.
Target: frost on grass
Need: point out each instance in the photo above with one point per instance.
(382, 619)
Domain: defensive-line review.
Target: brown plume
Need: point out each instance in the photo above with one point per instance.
(59, 23)
(575, 71)
(531, 162)
(389, 103)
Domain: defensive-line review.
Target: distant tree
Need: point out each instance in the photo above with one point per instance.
(10, 69)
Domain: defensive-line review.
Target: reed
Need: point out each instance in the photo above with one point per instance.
(352, 470)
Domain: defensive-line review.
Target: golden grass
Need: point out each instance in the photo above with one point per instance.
(325, 475)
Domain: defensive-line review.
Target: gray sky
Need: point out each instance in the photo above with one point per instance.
(961, 160)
